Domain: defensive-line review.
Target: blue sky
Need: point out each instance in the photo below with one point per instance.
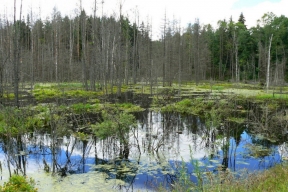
(250, 3)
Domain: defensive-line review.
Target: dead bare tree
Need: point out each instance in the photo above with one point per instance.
(268, 64)
(16, 54)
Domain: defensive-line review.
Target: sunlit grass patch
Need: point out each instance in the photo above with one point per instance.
(126, 107)
(188, 106)
(274, 179)
(212, 87)
(72, 85)
(93, 100)
(42, 94)
(43, 85)
(80, 93)
(272, 96)
(50, 93)
(8, 96)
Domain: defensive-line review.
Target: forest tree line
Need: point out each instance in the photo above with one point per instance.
(101, 51)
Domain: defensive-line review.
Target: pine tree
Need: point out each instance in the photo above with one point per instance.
(242, 19)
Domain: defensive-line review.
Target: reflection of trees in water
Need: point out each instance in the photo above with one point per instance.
(283, 151)
(57, 154)
(114, 164)
(267, 128)
(269, 120)
(14, 149)
(168, 127)
(231, 133)
(163, 130)
(158, 136)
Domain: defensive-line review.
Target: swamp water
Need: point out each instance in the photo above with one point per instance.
(157, 148)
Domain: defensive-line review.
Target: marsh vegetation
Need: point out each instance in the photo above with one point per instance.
(95, 101)
(71, 138)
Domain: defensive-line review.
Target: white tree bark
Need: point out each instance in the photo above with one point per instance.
(236, 58)
(268, 65)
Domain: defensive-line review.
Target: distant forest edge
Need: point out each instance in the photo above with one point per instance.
(101, 51)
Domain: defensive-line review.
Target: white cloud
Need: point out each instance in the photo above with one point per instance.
(208, 11)
(252, 14)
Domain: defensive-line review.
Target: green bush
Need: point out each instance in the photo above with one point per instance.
(19, 183)
(114, 124)
(81, 108)
(128, 107)
(185, 103)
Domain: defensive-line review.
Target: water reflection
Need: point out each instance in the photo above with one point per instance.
(157, 148)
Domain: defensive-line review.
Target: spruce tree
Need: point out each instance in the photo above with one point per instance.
(242, 19)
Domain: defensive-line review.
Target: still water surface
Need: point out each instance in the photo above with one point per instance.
(157, 149)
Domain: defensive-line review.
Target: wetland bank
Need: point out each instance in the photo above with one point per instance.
(96, 102)
(67, 138)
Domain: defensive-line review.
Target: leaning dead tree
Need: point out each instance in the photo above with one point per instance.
(268, 64)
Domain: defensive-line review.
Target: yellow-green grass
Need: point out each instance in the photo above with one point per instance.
(274, 179)
(271, 180)
(43, 91)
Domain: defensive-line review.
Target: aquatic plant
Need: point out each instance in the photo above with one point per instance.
(115, 123)
(13, 121)
(258, 151)
(118, 125)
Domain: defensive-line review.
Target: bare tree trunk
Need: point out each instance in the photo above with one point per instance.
(164, 52)
(195, 51)
(105, 47)
(120, 61)
(16, 55)
(236, 58)
(268, 64)
(135, 43)
(179, 67)
(113, 67)
(151, 61)
(276, 73)
(94, 48)
(83, 55)
(2, 62)
(32, 54)
(126, 78)
(56, 54)
(71, 43)
(259, 60)
(237, 64)
(221, 55)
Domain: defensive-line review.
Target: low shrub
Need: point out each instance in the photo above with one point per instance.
(19, 183)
